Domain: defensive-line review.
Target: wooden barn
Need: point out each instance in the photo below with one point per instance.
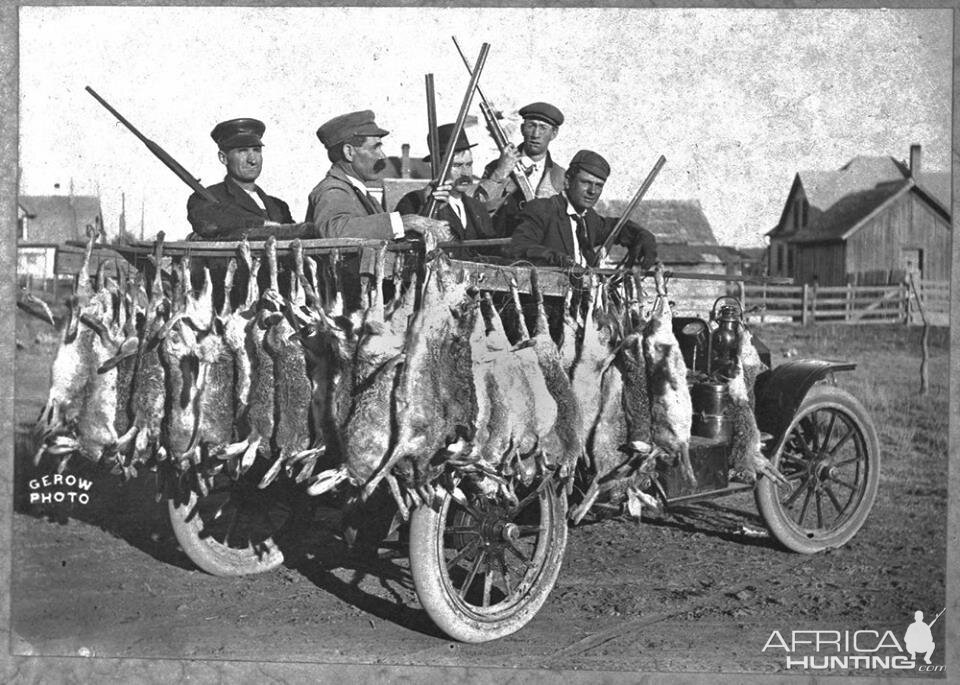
(867, 223)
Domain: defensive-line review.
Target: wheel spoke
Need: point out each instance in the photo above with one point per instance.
(468, 549)
(833, 499)
(511, 545)
(472, 574)
(505, 572)
(805, 485)
(826, 437)
(848, 460)
(803, 509)
(842, 441)
(840, 481)
(487, 585)
(529, 529)
(819, 499)
(462, 530)
(525, 502)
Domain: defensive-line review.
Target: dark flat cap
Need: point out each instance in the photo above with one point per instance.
(542, 111)
(238, 133)
(342, 128)
(591, 162)
(443, 134)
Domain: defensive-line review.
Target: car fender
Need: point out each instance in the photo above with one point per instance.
(780, 391)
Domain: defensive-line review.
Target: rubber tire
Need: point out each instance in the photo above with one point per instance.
(428, 568)
(213, 556)
(782, 527)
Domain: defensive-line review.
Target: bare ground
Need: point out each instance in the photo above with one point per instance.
(698, 591)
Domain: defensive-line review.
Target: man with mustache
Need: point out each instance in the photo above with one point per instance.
(565, 231)
(340, 206)
(467, 217)
(498, 190)
(241, 205)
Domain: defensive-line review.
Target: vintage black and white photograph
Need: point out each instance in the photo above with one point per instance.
(588, 340)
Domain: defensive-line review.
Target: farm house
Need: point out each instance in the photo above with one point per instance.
(868, 223)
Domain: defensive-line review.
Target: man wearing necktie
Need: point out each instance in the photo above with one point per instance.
(340, 206)
(498, 190)
(564, 230)
(467, 217)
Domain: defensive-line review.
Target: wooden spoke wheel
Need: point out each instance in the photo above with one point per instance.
(483, 566)
(831, 456)
(229, 531)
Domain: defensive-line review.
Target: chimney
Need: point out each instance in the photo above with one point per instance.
(915, 161)
(405, 160)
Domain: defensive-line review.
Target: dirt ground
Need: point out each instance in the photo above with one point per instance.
(701, 590)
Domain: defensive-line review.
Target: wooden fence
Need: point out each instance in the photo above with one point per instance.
(852, 304)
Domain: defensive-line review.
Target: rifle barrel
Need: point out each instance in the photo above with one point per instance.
(641, 191)
(432, 126)
(432, 205)
(158, 151)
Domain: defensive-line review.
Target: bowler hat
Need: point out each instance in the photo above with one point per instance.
(443, 137)
(542, 111)
(591, 162)
(238, 133)
(342, 128)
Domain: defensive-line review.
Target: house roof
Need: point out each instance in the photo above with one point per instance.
(678, 253)
(848, 212)
(840, 200)
(671, 221)
(58, 218)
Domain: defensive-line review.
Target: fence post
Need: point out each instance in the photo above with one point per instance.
(813, 303)
(742, 294)
(849, 304)
(803, 304)
(763, 301)
(905, 293)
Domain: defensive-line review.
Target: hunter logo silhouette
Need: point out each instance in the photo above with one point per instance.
(918, 639)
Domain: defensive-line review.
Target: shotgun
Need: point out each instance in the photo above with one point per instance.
(432, 126)
(497, 133)
(431, 209)
(159, 152)
(615, 233)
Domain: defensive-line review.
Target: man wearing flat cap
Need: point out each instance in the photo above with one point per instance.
(498, 189)
(468, 218)
(564, 230)
(241, 205)
(340, 206)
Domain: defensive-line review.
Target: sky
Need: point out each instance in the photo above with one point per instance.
(737, 101)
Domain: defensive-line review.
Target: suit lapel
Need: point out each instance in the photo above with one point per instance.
(241, 198)
(560, 206)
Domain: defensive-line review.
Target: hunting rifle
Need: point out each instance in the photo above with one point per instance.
(432, 127)
(432, 205)
(159, 152)
(615, 233)
(497, 133)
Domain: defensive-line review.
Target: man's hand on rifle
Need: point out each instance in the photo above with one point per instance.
(422, 226)
(507, 163)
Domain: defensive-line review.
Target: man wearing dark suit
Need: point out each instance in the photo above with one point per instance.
(468, 218)
(499, 191)
(564, 230)
(241, 205)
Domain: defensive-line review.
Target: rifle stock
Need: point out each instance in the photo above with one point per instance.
(158, 151)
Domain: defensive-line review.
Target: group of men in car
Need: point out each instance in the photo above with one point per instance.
(558, 226)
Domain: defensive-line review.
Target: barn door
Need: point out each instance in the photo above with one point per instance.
(911, 260)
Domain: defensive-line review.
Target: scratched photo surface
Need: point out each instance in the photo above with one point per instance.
(811, 145)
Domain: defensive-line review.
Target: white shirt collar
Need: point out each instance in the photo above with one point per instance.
(357, 183)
